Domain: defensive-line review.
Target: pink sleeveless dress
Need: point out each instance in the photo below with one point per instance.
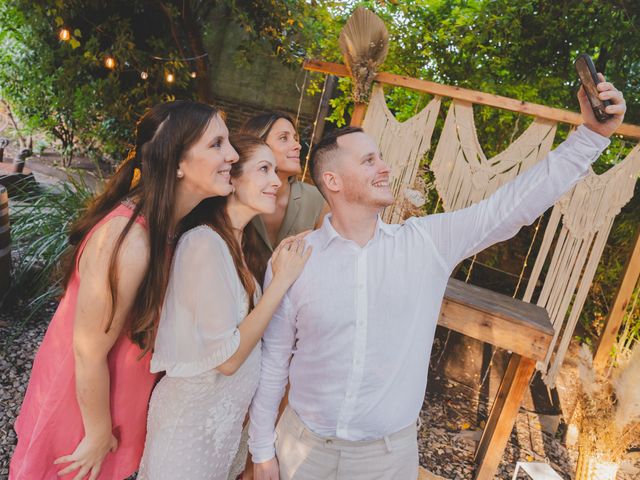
(50, 424)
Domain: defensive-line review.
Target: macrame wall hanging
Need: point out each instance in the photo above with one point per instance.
(403, 145)
(580, 222)
(464, 176)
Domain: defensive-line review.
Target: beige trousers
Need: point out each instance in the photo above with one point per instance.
(304, 455)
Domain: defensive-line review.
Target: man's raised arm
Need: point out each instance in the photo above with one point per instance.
(460, 234)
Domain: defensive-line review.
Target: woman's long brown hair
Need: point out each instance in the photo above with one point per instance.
(212, 212)
(163, 134)
(261, 125)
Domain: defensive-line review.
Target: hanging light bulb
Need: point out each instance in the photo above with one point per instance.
(193, 74)
(170, 77)
(109, 62)
(144, 75)
(64, 34)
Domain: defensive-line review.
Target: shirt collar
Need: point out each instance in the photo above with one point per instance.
(327, 233)
(296, 188)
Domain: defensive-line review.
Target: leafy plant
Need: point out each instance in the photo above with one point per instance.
(65, 87)
(40, 221)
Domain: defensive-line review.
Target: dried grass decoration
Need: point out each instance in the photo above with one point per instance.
(608, 414)
(364, 42)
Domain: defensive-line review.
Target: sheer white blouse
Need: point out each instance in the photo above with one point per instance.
(204, 303)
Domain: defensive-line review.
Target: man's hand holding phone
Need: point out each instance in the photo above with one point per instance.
(617, 109)
(601, 105)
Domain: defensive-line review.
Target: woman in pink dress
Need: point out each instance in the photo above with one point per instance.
(84, 412)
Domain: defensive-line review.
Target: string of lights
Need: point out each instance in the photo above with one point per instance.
(64, 35)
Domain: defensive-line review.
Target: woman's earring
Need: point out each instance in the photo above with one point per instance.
(180, 173)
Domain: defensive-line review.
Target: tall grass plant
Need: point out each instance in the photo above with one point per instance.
(40, 221)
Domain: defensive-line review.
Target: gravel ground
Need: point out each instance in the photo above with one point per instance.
(18, 344)
(447, 440)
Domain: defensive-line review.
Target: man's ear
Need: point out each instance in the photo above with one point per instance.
(332, 181)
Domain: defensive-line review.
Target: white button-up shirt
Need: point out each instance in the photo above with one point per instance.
(354, 332)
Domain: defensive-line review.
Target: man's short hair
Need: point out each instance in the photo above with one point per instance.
(323, 152)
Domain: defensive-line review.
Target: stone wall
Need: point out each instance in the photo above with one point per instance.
(245, 88)
(237, 112)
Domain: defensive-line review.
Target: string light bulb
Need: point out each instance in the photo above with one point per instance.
(170, 77)
(193, 74)
(64, 34)
(109, 62)
(144, 75)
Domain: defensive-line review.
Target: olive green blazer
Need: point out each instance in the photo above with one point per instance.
(303, 211)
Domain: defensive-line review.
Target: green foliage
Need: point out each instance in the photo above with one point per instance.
(64, 88)
(288, 30)
(40, 222)
(522, 49)
(276, 22)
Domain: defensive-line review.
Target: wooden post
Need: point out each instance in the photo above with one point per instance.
(503, 415)
(5, 242)
(359, 111)
(3, 144)
(323, 109)
(619, 308)
(20, 160)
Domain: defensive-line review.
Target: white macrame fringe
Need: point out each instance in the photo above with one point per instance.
(587, 213)
(463, 173)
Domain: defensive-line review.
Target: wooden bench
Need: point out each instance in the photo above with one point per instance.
(519, 327)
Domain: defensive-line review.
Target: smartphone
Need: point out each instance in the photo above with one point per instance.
(589, 78)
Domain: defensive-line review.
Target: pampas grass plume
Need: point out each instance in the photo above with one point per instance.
(627, 389)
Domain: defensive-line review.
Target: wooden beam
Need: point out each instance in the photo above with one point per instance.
(503, 416)
(473, 96)
(619, 308)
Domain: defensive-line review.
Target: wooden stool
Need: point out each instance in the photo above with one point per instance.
(510, 324)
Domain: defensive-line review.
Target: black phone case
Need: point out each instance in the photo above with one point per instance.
(589, 79)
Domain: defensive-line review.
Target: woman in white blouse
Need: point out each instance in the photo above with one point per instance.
(209, 332)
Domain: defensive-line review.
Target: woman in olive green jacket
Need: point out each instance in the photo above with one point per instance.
(299, 207)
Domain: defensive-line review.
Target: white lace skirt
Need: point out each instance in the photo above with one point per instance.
(195, 423)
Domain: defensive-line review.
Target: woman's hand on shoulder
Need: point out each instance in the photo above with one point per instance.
(289, 258)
